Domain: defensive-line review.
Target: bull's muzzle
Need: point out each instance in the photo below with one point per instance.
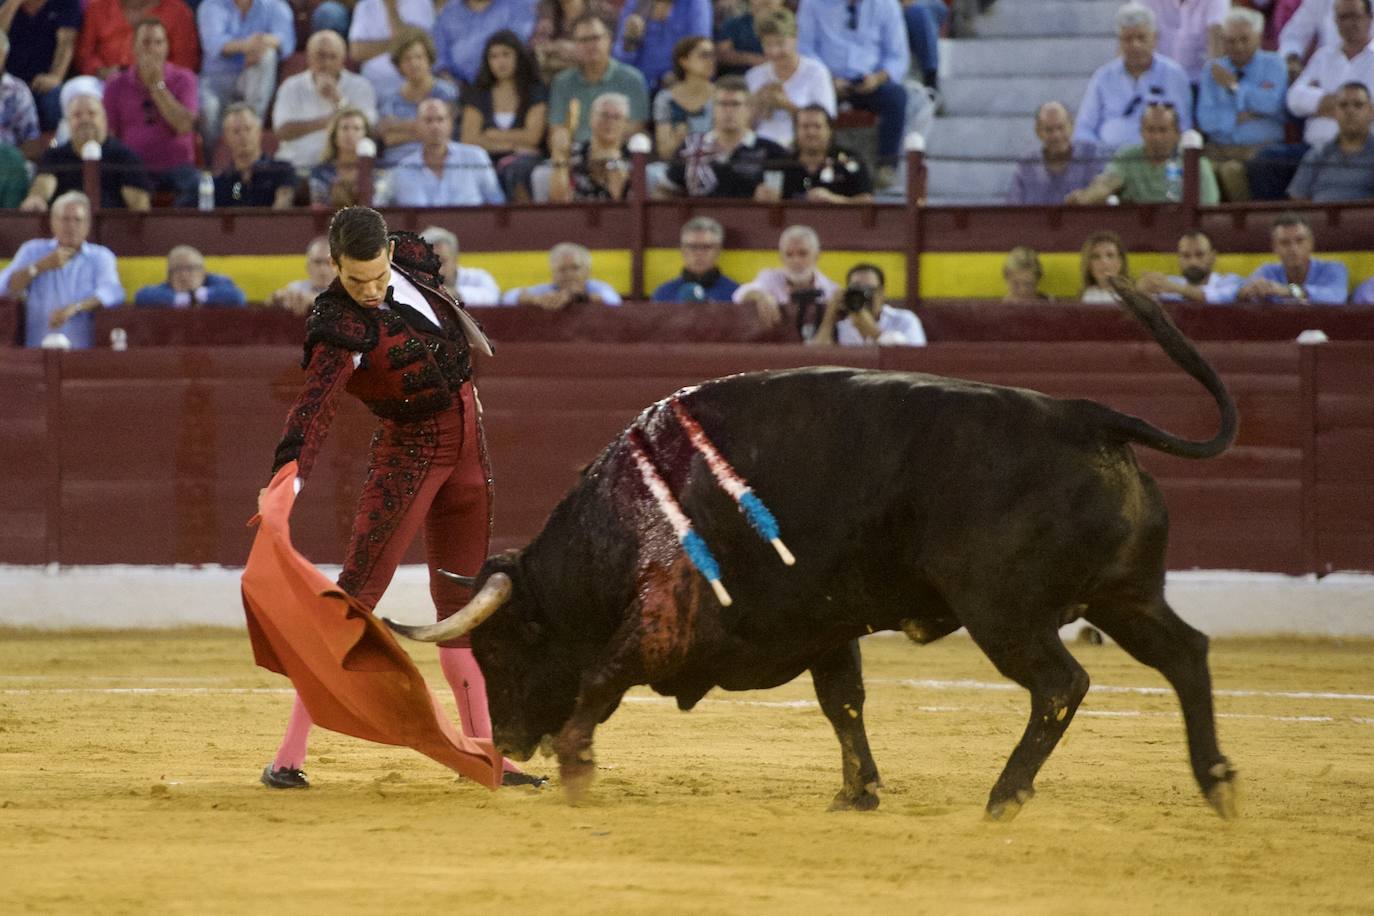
(483, 604)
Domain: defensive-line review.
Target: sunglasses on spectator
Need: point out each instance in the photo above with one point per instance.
(853, 10)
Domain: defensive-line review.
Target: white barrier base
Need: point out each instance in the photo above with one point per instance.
(1219, 603)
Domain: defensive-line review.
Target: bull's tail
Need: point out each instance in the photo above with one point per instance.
(1181, 350)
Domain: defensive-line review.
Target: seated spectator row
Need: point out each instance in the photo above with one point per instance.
(1298, 276)
(169, 80)
(65, 278)
(1124, 143)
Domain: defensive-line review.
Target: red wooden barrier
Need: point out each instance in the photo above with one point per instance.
(156, 455)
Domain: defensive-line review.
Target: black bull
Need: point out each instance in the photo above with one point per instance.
(911, 502)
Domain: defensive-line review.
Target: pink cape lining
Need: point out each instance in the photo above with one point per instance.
(347, 667)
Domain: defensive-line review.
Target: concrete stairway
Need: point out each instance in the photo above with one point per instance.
(1027, 52)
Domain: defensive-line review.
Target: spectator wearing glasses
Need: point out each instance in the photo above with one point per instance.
(1240, 101)
(1140, 173)
(572, 283)
(574, 90)
(307, 102)
(1062, 165)
(650, 29)
(701, 279)
(730, 160)
(1344, 168)
(252, 179)
(863, 43)
(786, 82)
(1109, 116)
(189, 285)
(685, 107)
(152, 107)
(599, 167)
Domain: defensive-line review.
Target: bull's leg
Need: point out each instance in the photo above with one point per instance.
(1157, 637)
(573, 745)
(838, 677)
(1038, 662)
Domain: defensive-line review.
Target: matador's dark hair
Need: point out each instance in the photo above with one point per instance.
(357, 232)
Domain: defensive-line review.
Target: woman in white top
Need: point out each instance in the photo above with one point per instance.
(1103, 257)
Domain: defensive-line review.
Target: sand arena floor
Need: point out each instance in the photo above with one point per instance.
(129, 764)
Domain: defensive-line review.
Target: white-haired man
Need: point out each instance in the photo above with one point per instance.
(798, 281)
(124, 182)
(1109, 116)
(65, 278)
(308, 101)
(189, 285)
(572, 284)
(473, 285)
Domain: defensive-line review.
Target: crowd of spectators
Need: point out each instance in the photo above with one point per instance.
(1201, 64)
(519, 80)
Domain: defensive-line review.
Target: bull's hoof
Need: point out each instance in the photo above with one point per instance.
(1224, 799)
(576, 777)
(1005, 810)
(867, 800)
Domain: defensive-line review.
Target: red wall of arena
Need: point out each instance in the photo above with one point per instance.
(155, 455)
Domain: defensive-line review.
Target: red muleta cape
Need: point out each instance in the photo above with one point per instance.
(348, 669)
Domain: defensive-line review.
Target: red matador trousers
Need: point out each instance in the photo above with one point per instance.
(431, 473)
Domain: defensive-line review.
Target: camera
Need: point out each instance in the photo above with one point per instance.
(801, 298)
(579, 298)
(856, 299)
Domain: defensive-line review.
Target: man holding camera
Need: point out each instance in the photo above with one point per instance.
(859, 314)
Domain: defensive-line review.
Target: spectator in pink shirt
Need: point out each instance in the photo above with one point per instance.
(152, 109)
(798, 281)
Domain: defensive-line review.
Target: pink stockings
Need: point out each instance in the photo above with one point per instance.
(469, 690)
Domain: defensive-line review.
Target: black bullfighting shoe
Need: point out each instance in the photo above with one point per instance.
(523, 779)
(284, 778)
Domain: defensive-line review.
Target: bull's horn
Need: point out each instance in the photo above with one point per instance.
(465, 581)
(482, 606)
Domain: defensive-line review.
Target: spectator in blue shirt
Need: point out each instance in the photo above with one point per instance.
(1119, 91)
(1061, 166)
(1240, 105)
(701, 279)
(65, 278)
(571, 265)
(188, 285)
(241, 42)
(650, 29)
(463, 27)
(1297, 276)
(1199, 281)
(442, 172)
(864, 45)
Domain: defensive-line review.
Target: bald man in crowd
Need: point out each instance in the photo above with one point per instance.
(1062, 165)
